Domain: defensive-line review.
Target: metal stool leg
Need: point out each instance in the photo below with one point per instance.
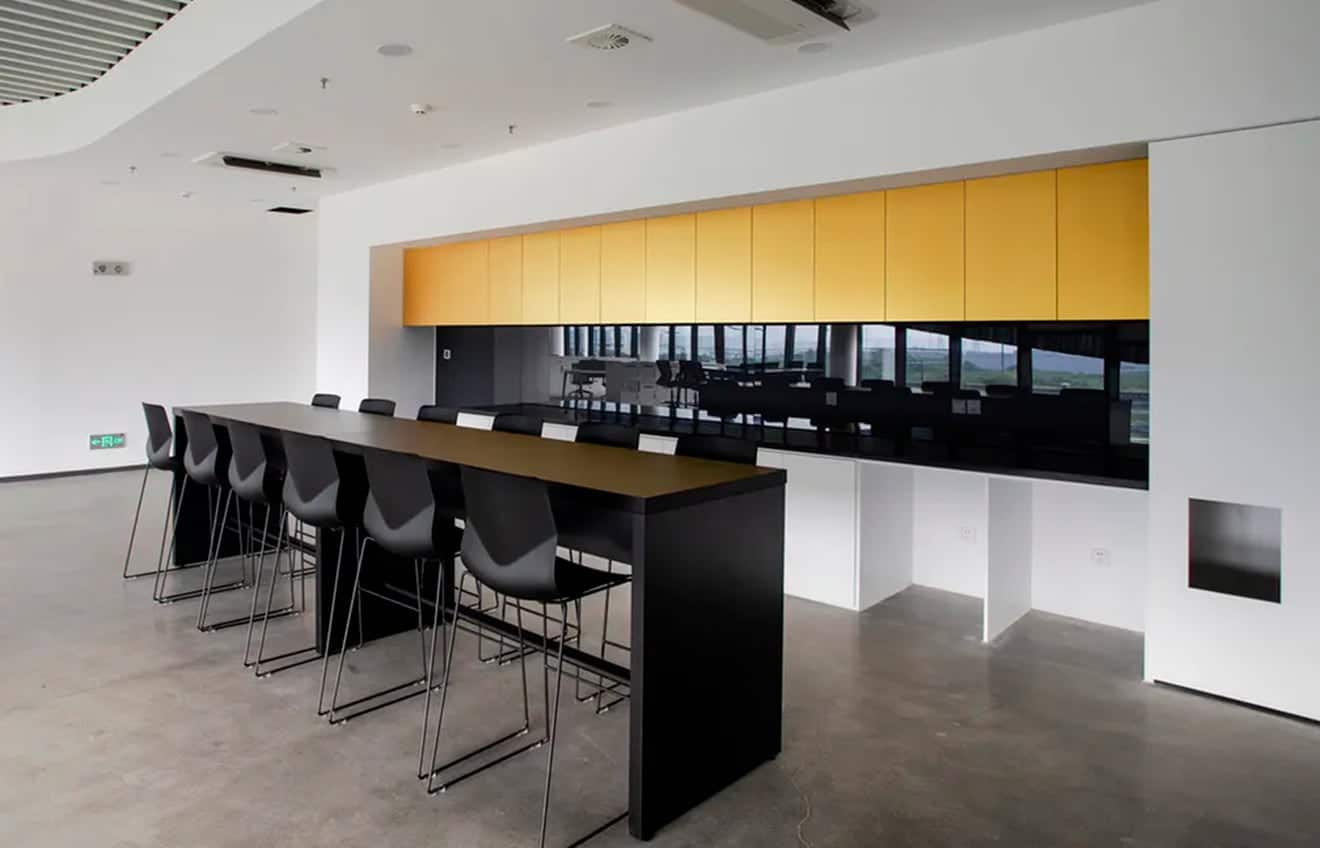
(132, 534)
(437, 624)
(158, 586)
(330, 625)
(436, 769)
(281, 546)
(553, 720)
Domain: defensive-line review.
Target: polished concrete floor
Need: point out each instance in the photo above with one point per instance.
(120, 726)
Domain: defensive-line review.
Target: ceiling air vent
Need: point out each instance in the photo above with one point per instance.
(265, 166)
(784, 21)
(289, 210)
(609, 37)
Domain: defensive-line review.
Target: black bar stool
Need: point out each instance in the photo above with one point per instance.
(403, 517)
(205, 462)
(326, 401)
(509, 545)
(600, 533)
(441, 414)
(316, 493)
(377, 406)
(255, 480)
(160, 444)
(513, 422)
(722, 448)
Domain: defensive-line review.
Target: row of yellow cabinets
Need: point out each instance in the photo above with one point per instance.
(1070, 244)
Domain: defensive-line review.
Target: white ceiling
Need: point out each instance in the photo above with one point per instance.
(482, 65)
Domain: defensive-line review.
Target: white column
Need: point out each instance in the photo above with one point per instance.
(843, 353)
(648, 345)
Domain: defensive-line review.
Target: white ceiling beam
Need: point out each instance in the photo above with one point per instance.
(50, 72)
(118, 8)
(37, 89)
(52, 56)
(91, 17)
(51, 35)
(170, 6)
(35, 16)
(34, 81)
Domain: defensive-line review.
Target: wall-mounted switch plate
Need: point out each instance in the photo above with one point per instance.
(111, 268)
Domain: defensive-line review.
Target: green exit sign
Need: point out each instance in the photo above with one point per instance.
(103, 441)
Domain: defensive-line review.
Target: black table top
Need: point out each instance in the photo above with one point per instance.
(649, 482)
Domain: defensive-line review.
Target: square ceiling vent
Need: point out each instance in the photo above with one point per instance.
(609, 37)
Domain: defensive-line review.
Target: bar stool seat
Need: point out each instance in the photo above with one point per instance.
(160, 457)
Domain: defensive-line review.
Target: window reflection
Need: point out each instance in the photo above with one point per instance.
(927, 358)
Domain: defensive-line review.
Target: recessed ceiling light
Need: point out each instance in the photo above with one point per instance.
(185, 194)
(264, 111)
(395, 51)
(599, 104)
(814, 47)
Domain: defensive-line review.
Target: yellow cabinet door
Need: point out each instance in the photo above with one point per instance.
(671, 288)
(724, 266)
(579, 276)
(1104, 242)
(1011, 248)
(784, 262)
(924, 253)
(623, 273)
(541, 278)
(506, 281)
(446, 285)
(850, 257)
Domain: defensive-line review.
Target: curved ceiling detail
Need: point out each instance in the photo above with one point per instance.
(201, 34)
(53, 47)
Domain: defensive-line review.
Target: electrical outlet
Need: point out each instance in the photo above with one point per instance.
(446, 354)
(1100, 557)
(968, 534)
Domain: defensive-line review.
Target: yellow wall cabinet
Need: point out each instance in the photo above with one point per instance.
(506, 279)
(1071, 245)
(1011, 248)
(850, 257)
(724, 266)
(784, 261)
(924, 253)
(579, 276)
(541, 278)
(1104, 242)
(446, 284)
(623, 272)
(671, 258)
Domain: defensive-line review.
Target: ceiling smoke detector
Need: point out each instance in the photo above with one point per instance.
(609, 37)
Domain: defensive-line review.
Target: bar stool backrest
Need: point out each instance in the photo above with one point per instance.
(202, 460)
(327, 401)
(312, 484)
(377, 406)
(252, 476)
(400, 514)
(611, 435)
(510, 537)
(160, 436)
(512, 422)
(722, 448)
(442, 414)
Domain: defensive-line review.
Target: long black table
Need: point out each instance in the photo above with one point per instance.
(706, 668)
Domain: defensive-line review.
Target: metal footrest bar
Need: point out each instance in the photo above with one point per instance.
(531, 746)
(420, 683)
(315, 655)
(598, 831)
(197, 593)
(242, 620)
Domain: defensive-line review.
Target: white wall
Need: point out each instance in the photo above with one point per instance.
(220, 307)
(1235, 291)
(402, 365)
(1170, 68)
